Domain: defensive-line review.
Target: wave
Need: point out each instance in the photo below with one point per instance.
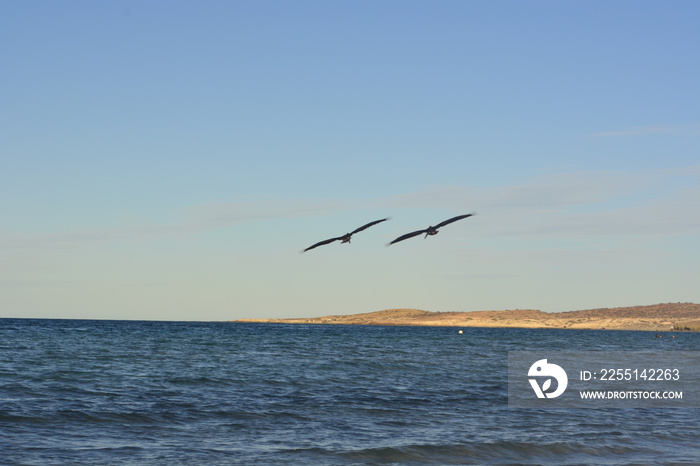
(498, 453)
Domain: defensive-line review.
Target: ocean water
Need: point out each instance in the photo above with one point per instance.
(84, 392)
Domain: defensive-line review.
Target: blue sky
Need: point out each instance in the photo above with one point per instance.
(170, 160)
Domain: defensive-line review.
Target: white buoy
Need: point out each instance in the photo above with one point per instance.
(461, 332)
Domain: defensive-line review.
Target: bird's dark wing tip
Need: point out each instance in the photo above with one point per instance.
(324, 242)
(408, 235)
(357, 230)
(453, 219)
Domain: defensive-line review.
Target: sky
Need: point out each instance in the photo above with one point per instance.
(171, 160)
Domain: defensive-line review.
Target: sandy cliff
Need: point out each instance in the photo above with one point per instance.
(657, 317)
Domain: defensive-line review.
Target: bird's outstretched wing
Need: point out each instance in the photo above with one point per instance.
(407, 235)
(321, 243)
(453, 219)
(369, 225)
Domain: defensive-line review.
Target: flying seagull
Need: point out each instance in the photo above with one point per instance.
(431, 230)
(346, 237)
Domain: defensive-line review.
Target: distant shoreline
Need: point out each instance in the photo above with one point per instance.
(657, 317)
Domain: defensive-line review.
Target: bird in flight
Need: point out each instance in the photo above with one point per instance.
(346, 237)
(431, 230)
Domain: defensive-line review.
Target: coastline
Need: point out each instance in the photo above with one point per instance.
(658, 317)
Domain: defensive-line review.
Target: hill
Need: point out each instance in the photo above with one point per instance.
(656, 317)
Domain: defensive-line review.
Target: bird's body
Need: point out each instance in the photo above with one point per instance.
(431, 230)
(346, 237)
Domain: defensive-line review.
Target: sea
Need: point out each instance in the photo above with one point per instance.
(87, 392)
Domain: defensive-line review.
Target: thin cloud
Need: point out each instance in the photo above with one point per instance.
(197, 219)
(227, 214)
(682, 130)
(655, 202)
(588, 203)
(556, 191)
